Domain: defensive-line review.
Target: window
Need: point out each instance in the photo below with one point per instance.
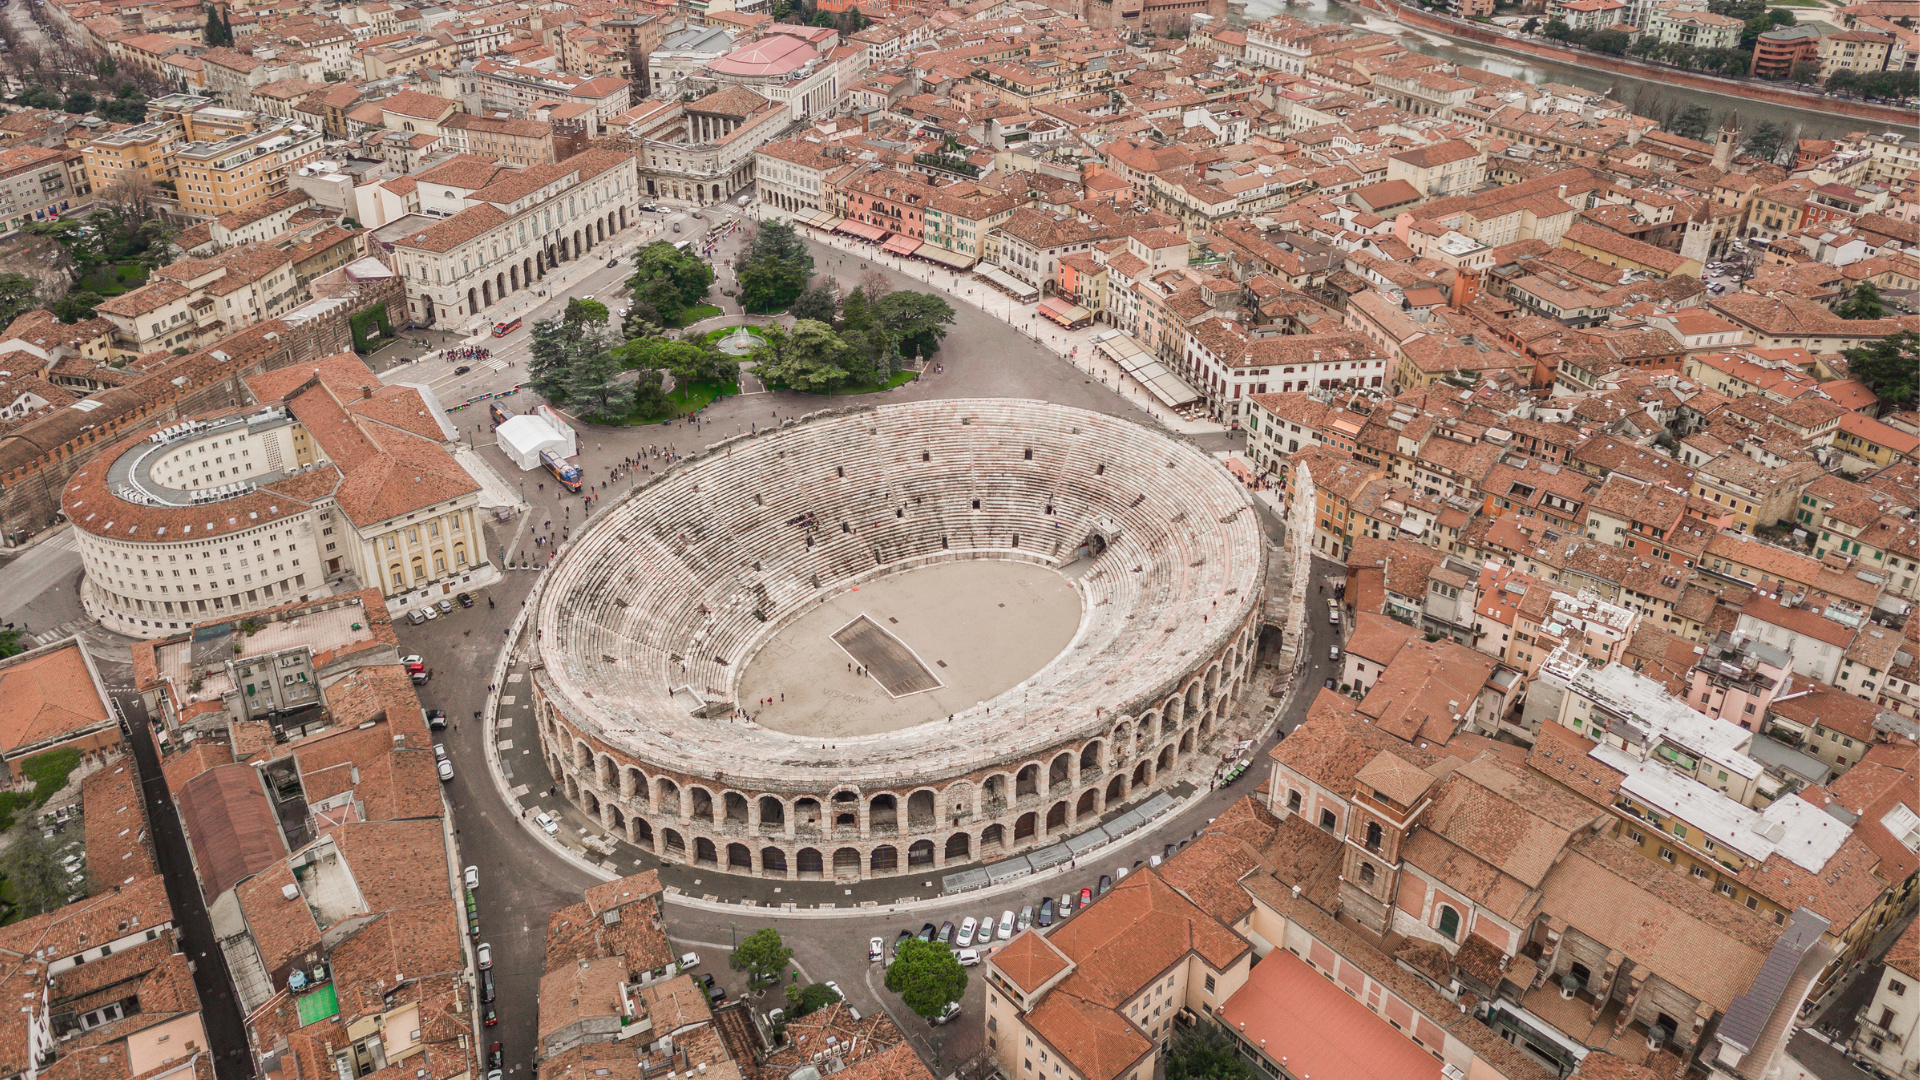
(1894, 987)
(1209, 984)
(1373, 836)
(1293, 801)
(1328, 821)
(1366, 873)
(1666, 854)
(1449, 922)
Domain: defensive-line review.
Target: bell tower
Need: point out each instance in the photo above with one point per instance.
(1727, 142)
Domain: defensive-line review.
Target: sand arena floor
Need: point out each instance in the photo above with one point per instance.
(978, 626)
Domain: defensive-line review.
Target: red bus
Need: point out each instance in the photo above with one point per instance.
(502, 329)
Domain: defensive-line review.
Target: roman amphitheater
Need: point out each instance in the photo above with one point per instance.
(897, 638)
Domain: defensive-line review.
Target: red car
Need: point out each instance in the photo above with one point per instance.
(1086, 897)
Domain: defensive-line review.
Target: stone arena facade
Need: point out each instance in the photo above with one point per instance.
(651, 614)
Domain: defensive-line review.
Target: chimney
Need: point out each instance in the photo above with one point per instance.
(366, 392)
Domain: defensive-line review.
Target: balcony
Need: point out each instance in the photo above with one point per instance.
(1863, 1015)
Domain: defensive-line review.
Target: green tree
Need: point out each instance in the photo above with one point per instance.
(927, 976)
(217, 31)
(1693, 122)
(762, 956)
(1765, 140)
(774, 271)
(33, 871)
(1864, 303)
(669, 280)
(805, 358)
(79, 102)
(1204, 1052)
(1532, 25)
(76, 306)
(581, 312)
(16, 296)
(1557, 29)
(1890, 367)
(820, 303)
(1614, 42)
(802, 1000)
(917, 321)
(569, 355)
(1805, 72)
(10, 644)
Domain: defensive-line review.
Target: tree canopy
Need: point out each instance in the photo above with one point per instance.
(927, 976)
(802, 1000)
(1863, 303)
(668, 281)
(1204, 1052)
(1890, 368)
(774, 271)
(762, 955)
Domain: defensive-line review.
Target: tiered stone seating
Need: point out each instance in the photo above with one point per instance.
(695, 568)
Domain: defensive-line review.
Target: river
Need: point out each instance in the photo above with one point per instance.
(1644, 96)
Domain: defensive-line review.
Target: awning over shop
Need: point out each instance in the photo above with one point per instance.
(1008, 284)
(1141, 366)
(862, 230)
(901, 245)
(936, 253)
(1071, 316)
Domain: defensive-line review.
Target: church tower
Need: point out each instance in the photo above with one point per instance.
(1697, 242)
(1727, 143)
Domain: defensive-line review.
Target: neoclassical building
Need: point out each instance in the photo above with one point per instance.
(330, 482)
(479, 232)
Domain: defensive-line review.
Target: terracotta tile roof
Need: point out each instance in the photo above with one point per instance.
(1029, 960)
(232, 828)
(1100, 1043)
(46, 694)
(1294, 1012)
(1494, 833)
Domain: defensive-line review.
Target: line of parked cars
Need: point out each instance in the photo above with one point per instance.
(430, 612)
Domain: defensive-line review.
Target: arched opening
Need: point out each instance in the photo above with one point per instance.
(1373, 836)
(1090, 759)
(473, 301)
(702, 804)
(589, 803)
(1166, 758)
(920, 854)
(513, 277)
(486, 294)
(806, 812)
(1059, 772)
(808, 861)
(993, 795)
(883, 814)
(1141, 775)
(773, 862)
(993, 836)
(772, 812)
(1027, 782)
(670, 798)
(635, 786)
(1366, 873)
(500, 286)
(1186, 742)
(846, 810)
(1057, 816)
(1024, 828)
(886, 859)
(1170, 720)
(1449, 922)
(959, 846)
(703, 853)
(618, 820)
(920, 810)
(582, 757)
(1121, 736)
(1085, 807)
(603, 772)
(642, 833)
(675, 848)
(1117, 790)
(734, 805)
(739, 858)
(846, 864)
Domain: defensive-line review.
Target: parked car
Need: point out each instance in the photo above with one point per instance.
(496, 1056)
(946, 933)
(483, 952)
(968, 957)
(689, 961)
(1006, 925)
(429, 612)
(471, 875)
(717, 994)
(466, 599)
(1086, 897)
(436, 719)
(927, 932)
(1155, 861)
(546, 822)
(1331, 684)
(984, 934)
(1333, 612)
(946, 1015)
(905, 936)
(965, 937)
(705, 979)
(876, 950)
(446, 769)
(611, 263)
(1106, 882)
(488, 1016)
(835, 987)
(439, 752)
(486, 986)
(415, 617)
(1333, 653)
(1026, 918)
(414, 662)
(1065, 907)
(1046, 912)
(445, 606)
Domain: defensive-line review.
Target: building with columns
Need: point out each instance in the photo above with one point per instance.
(479, 232)
(703, 151)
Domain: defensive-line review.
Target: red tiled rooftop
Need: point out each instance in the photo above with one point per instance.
(1293, 1012)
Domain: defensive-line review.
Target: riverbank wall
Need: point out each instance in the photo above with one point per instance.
(1472, 33)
